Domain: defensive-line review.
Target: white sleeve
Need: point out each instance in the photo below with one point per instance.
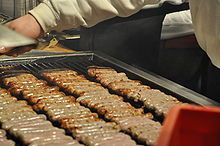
(206, 21)
(177, 24)
(65, 14)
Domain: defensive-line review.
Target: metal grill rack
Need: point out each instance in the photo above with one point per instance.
(80, 62)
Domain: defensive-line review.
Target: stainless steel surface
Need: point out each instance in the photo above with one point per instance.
(9, 38)
(81, 60)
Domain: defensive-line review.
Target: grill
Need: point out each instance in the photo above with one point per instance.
(80, 62)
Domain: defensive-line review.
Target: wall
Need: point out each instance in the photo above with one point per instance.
(17, 8)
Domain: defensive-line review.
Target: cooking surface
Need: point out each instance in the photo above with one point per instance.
(25, 79)
(79, 61)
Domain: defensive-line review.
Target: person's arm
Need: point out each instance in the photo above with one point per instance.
(64, 14)
(60, 14)
(26, 25)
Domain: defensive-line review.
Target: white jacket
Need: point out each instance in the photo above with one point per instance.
(65, 14)
(206, 21)
(177, 24)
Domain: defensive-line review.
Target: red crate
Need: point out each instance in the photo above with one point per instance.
(190, 125)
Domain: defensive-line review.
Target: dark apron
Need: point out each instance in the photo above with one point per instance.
(134, 40)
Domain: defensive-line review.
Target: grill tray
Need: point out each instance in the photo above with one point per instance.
(81, 60)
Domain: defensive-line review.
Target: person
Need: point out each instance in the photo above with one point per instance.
(59, 15)
(177, 24)
(178, 43)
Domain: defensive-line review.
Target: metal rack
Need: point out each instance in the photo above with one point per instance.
(80, 61)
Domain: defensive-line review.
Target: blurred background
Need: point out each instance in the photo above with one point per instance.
(17, 8)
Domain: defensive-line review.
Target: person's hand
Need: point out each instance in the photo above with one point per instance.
(15, 51)
(26, 25)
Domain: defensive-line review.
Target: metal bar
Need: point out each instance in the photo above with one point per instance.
(65, 65)
(29, 67)
(76, 67)
(86, 64)
(58, 65)
(34, 57)
(45, 65)
(51, 64)
(39, 66)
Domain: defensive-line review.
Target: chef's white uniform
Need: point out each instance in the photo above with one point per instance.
(177, 24)
(64, 14)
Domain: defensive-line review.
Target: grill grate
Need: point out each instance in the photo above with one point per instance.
(80, 62)
(36, 68)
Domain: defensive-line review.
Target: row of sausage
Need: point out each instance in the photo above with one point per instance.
(27, 127)
(134, 90)
(84, 125)
(112, 107)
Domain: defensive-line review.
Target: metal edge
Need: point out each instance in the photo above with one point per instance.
(160, 81)
(151, 77)
(33, 58)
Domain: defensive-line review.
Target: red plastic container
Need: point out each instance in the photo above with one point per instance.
(190, 125)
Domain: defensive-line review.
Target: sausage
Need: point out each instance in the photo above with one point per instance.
(64, 115)
(56, 143)
(12, 123)
(92, 71)
(43, 136)
(2, 133)
(124, 84)
(6, 142)
(41, 90)
(16, 116)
